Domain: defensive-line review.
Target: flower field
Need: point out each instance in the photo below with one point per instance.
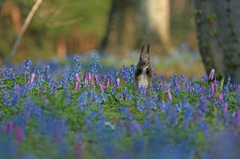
(95, 115)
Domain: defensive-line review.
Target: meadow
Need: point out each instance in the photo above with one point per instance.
(94, 114)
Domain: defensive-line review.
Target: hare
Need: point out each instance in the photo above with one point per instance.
(143, 72)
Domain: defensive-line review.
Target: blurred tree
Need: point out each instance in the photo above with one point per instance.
(1, 2)
(218, 30)
(132, 21)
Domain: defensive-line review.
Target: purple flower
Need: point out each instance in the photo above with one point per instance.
(19, 133)
(169, 95)
(78, 151)
(89, 77)
(225, 109)
(235, 133)
(154, 73)
(237, 117)
(212, 87)
(220, 98)
(77, 77)
(9, 127)
(101, 88)
(175, 81)
(31, 80)
(85, 76)
(187, 86)
(58, 134)
(76, 85)
(45, 100)
(211, 76)
(96, 78)
(117, 84)
(107, 83)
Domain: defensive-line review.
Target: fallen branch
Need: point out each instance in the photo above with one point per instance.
(23, 29)
(63, 23)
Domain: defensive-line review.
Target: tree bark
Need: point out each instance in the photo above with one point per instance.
(132, 22)
(218, 30)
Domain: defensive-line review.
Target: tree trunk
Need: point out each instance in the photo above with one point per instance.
(218, 30)
(1, 2)
(132, 22)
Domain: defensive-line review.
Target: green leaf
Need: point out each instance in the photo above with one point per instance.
(201, 83)
(221, 84)
(37, 100)
(50, 98)
(78, 94)
(60, 101)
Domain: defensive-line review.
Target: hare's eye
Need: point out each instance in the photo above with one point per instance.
(140, 58)
(148, 58)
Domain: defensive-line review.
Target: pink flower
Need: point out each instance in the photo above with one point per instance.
(117, 84)
(77, 77)
(235, 133)
(78, 151)
(225, 109)
(31, 80)
(211, 75)
(9, 127)
(237, 117)
(85, 76)
(169, 95)
(19, 133)
(76, 85)
(175, 81)
(220, 98)
(58, 134)
(45, 100)
(101, 88)
(107, 83)
(89, 77)
(154, 73)
(212, 87)
(96, 78)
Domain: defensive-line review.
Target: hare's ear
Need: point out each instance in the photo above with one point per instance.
(148, 46)
(141, 50)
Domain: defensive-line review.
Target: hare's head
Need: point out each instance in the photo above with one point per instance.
(144, 56)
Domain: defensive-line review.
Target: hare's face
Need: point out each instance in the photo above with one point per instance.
(145, 57)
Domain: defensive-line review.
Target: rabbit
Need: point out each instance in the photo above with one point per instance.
(143, 72)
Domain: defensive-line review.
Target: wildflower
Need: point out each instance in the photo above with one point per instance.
(225, 109)
(187, 86)
(58, 134)
(89, 77)
(19, 133)
(101, 88)
(77, 77)
(235, 133)
(107, 83)
(154, 73)
(220, 98)
(31, 80)
(9, 127)
(169, 95)
(175, 81)
(76, 85)
(117, 84)
(78, 151)
(211, 76)
(96, 78)
(212, 87)
(18, 88)
(45, 100)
